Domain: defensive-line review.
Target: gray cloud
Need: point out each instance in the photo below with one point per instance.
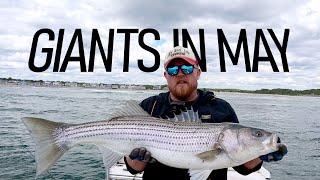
(21, 19)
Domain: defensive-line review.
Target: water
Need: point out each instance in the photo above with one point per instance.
(294, 118)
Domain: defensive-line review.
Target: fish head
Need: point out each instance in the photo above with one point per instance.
(245, 143)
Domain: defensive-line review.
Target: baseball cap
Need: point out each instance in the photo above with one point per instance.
(182, 53)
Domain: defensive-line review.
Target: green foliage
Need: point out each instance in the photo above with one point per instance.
(312, 92)
(164, 86)
(148, 86)
(309, 92)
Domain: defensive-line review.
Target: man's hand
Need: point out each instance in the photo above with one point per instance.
(275, 156)
(138, 159)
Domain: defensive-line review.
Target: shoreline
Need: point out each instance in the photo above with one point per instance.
(124, 89)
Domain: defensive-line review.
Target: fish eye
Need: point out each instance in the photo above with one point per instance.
(258, 133)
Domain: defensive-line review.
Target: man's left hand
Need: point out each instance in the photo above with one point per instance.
(275, 156)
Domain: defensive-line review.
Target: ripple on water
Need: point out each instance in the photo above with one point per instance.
(49, 111)
(315, 139)
(296, 119)
(14, 109)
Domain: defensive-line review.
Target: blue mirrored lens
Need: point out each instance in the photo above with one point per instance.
(187, 69)
(174, 70)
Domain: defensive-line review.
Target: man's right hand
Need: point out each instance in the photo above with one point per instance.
(138, 159)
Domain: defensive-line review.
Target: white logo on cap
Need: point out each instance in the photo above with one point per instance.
(176, 52)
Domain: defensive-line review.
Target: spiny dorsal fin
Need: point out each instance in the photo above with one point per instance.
(186, 116)
(131, 108)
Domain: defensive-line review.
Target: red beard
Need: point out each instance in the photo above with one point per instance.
(182, 90)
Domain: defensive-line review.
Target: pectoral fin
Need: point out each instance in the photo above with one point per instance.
(109, 158)
(211, 154)
(199, 174)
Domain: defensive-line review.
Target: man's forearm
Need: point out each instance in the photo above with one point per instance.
(252, 164)
(249, 167)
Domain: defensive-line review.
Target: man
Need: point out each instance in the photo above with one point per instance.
(182, 74)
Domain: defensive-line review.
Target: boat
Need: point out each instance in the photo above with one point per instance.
(119, 172)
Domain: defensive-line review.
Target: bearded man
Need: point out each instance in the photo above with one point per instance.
(182, 73)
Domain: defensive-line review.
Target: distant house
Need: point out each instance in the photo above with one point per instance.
(114, 86)
(86, 85)
(3, 81)
(47, 83)
(165, 88)
(107, 86)
(55, 83)
(94, 85)
(123, 86)
(140, 87)
(157, 87)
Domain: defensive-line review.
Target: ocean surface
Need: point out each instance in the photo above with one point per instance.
(295, 119)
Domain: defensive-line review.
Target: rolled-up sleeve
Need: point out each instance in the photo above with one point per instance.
(245, 171)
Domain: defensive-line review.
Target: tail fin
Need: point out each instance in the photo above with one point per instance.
(46, 152)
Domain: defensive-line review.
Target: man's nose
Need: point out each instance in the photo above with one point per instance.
(180, 73)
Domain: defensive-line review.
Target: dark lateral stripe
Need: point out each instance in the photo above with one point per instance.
(165, 133)
(129, 120)
(157, 142)
(182, 126)
(152, 129)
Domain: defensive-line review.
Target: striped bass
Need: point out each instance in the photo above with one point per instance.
(181, 142)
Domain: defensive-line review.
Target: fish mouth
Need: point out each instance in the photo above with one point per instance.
(275, 139)
(274, 142)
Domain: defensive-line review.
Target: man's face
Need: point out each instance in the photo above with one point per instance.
(182, 85)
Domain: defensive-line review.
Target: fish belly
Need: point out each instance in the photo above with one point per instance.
(188, 160)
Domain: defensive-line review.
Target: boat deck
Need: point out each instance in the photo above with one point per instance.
(120, 172)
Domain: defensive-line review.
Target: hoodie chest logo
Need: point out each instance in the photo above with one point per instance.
(206, 116)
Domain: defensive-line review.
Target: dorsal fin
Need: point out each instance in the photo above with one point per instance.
(186, 116)
(131, 108)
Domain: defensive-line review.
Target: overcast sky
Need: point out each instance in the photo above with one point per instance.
(21, 19)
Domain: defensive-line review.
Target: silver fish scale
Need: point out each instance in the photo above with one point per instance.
(147, 132)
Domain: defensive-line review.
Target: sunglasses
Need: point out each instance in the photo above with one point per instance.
(186, 69)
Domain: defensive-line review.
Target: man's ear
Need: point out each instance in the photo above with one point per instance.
(198, 74)
(165, 74)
